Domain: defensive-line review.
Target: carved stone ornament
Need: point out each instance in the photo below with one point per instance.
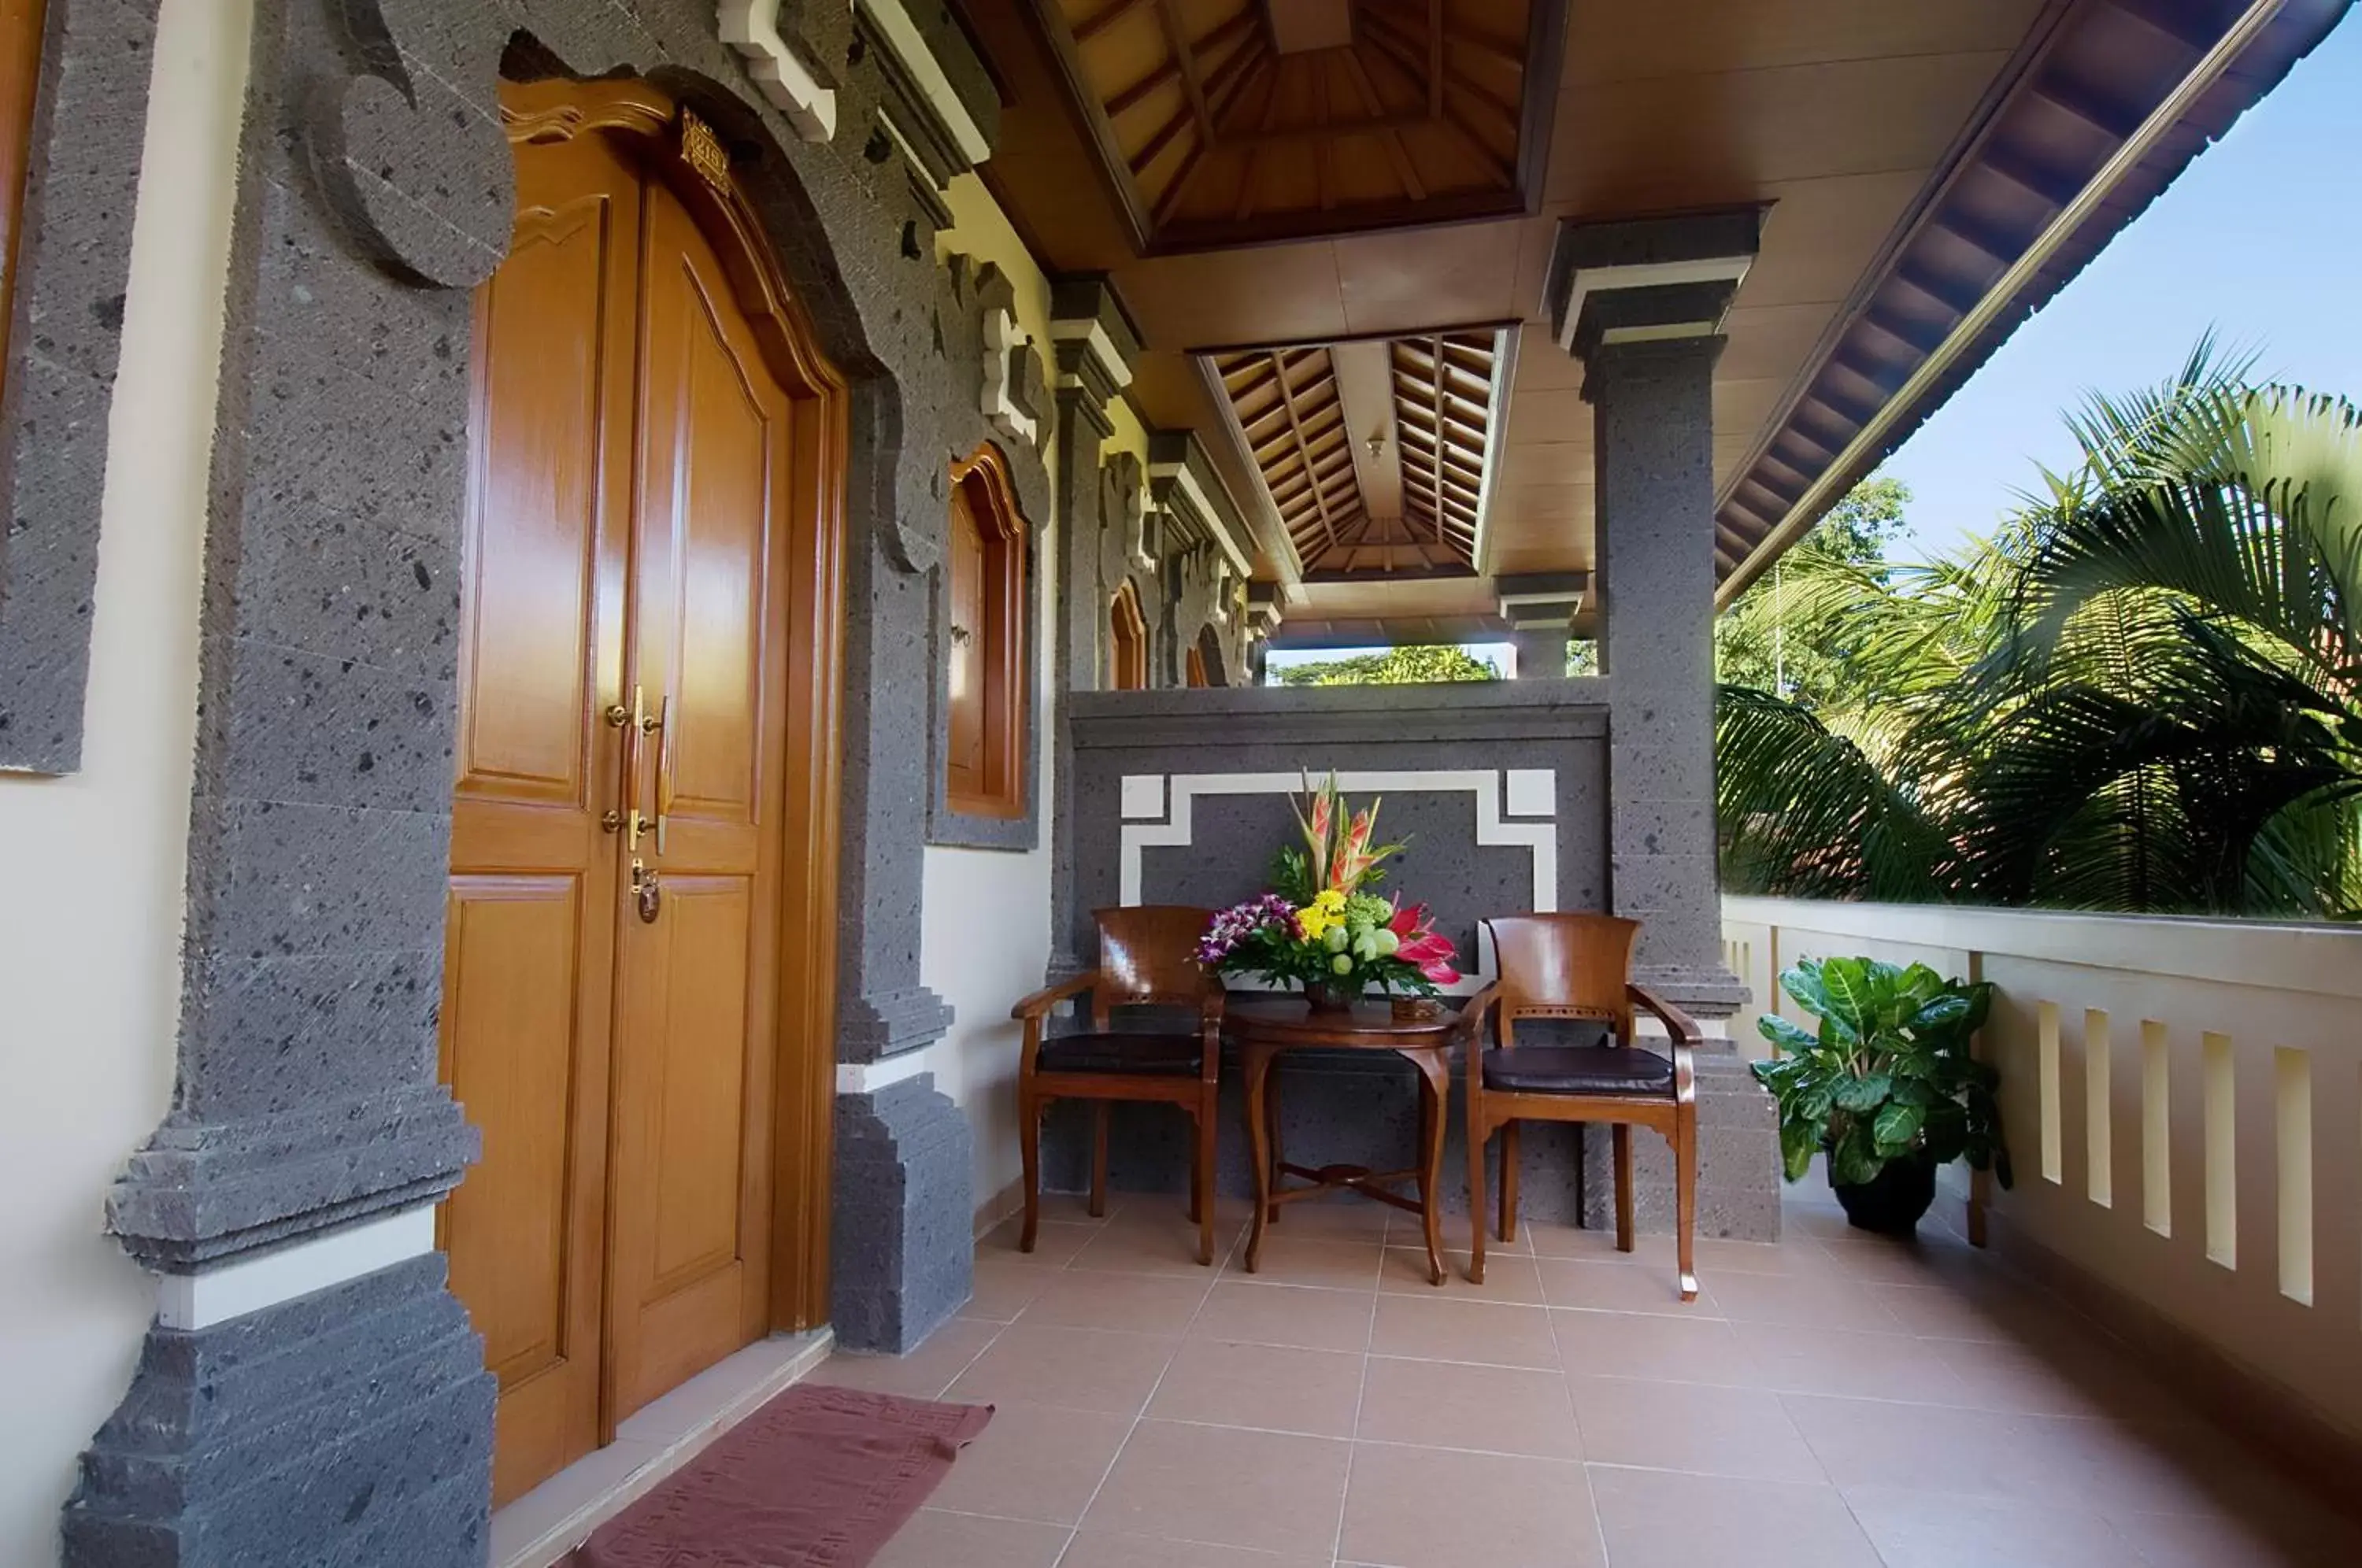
(1205, 582)
(429, 204)
(1123, 521)
(789, 81)
(1016, 393)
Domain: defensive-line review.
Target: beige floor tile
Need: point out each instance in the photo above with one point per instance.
(1033, 1462)
(1277, 1389)
(1933, 1257)
(1107, 1549)
(1005, 1286)
(1790, 1255)
(1509, 1276)
(1615, 1287)
(1407, 1229)
(1741, 1432)
(1807, 1301)
(1137, 1303)
(1075, 1207)
(1255, 1313)
(1226, 1486)
(1425, 1507)
(1638, 1344)
(1936, 1530)
(2119, 1467)
(1340, 1217)
(1853, 1365)
(1079, 1369)
(2078, 1376)
(1438, 1327)
(1655, 1518)
(924, 1374)
(2313, 1540)
(1290, 1257)
(1995, 1308)
(1873, 1443)
(1055, 1245)
(1551, 1240)
(934, 1539)
(1153, 1240)
(1497, 1409)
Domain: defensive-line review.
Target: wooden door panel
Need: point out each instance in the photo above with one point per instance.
(721, 501)
(529, 962)
(509, 979)
(697, 1006)
(533, 539)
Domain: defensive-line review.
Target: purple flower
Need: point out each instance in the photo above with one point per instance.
(1232, 927)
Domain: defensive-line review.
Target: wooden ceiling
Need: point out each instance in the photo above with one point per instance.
(1908, 152)
(1223, 122)
(1372, 453)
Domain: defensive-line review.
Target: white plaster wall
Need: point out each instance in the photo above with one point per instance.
(91, 925)
(984, 942)
(985, 938)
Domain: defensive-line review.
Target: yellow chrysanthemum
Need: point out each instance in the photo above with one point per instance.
(1327, 908)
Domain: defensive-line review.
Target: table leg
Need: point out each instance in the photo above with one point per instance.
(1435, 1067)
(1256, 1058)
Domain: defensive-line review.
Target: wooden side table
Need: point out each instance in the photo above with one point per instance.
(1265, 1026)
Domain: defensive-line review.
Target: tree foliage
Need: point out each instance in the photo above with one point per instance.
(2144, 693)
(1392, 667)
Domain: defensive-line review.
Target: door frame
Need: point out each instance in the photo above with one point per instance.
(808, 551)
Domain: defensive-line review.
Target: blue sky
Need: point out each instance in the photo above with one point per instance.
(2260, 239)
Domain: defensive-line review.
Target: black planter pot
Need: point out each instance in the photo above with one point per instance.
(1892, 1202)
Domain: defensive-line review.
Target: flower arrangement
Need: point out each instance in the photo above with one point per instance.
(1318, 927)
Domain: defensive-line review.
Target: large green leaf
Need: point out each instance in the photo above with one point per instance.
(1787, 1035)
(1896, 1127)
(1863, 1095)
(1852, 998)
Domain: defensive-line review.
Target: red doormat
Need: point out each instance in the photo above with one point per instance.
(817, 1478)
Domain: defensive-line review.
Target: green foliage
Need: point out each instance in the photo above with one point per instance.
(1888, 1075)
(2144, 693)
(1794, 636)
(1394, 666)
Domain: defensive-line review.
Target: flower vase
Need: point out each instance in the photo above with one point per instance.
(1323, 995)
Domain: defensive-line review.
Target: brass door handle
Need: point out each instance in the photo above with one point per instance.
(647, 895)
(635, 721)
(662, 723)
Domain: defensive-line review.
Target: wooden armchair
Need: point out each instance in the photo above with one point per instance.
(1147, 959)
(1578, 966)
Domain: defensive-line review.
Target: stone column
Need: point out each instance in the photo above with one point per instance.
(1539, 607)
(1641, 305)
(1095, 344)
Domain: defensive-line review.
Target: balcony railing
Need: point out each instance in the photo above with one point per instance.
(2184, 1101)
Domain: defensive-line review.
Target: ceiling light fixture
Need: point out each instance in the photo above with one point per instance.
(1377, 443)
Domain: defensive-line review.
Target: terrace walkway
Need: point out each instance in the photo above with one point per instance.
(1829, 1402)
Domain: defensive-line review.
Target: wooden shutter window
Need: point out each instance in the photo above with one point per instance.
(984, 685)
(1127, 642)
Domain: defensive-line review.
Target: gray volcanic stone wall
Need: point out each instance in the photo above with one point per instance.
(375, 188)
(72, 257)
(1357, 1109)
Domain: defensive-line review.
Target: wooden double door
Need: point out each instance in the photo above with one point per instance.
(644, 789)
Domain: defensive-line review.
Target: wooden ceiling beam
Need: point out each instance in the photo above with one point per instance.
(1178, 41)
(1397, 151)
(1103, 18)
(1287, 395)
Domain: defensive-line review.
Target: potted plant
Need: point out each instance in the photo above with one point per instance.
(1320, 928)
(1886, 1089)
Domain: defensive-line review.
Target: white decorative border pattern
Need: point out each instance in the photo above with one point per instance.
(1528, 791)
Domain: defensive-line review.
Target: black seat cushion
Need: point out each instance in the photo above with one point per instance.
(1578, 1069)
(1178, 1056)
